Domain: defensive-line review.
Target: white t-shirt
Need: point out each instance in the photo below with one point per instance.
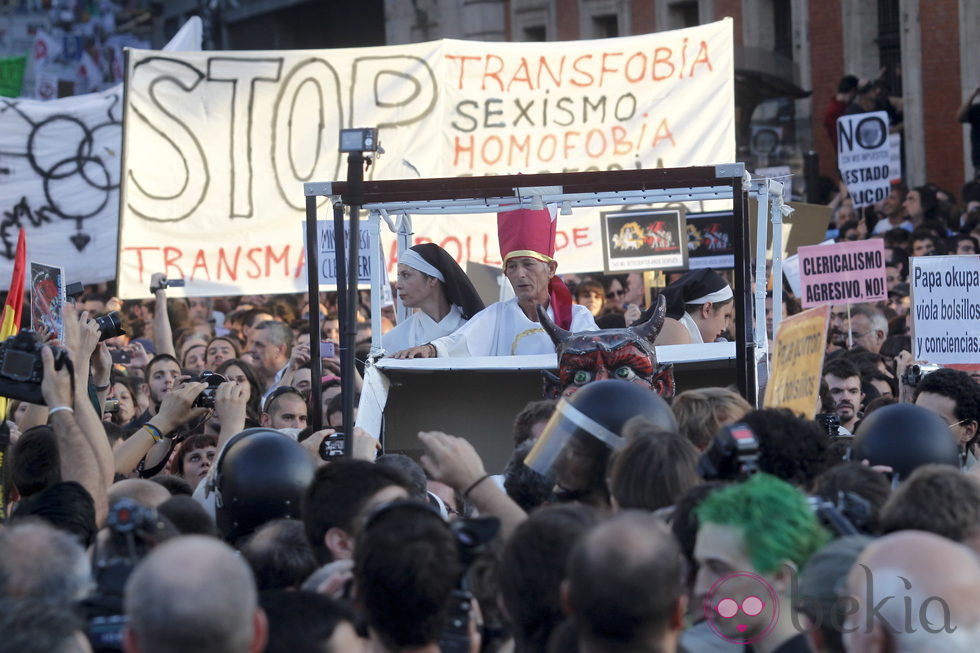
(420, 329)
(502, 329)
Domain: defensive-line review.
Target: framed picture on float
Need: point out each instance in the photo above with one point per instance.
(654, 239)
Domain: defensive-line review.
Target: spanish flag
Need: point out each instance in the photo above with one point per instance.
(12, 310)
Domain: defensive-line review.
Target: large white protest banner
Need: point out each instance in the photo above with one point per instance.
(945, 309)
(59, 177)
(218, 145)
(863, 156)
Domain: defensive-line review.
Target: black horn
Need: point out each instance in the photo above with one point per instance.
(651, 328)
(558, 334)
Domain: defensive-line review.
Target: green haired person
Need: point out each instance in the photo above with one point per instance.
(753, 539)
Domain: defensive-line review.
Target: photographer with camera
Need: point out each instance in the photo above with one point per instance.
(954, 396)
(191, 400)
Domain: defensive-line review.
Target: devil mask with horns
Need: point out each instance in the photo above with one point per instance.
(626, 354)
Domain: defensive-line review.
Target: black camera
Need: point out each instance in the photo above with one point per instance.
(332, 446)
(914, 373)
(829, 422)
(133, 530)
(110, 325)
(168, 283)
(732, 454)
(21, 368)
(472, 536)
(206, 398)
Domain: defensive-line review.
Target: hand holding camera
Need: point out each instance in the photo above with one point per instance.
(56, 381)
(159, 282)
(177, 407)
(230, 402)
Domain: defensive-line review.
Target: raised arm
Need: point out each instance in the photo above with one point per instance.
(78, 460)
(163, 337)
(961, 113)
(456, 463)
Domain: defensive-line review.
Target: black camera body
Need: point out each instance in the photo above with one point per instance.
(206, 398)
(332, 446)
(110, 325)
(830, 423)
(732, 454)
(21, 368)
(914, 373)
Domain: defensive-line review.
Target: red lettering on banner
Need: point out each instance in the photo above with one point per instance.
(658, 60)
(459, 149)
(258, 266)
(663, 133)
(561, 240)
(462, 65)
(458, 245)
(521, 147)
(702, 58)
(200, 262)
(568, 147)
(603, 69)
(233, 268)
(486, 252)
(492, 158)
(554, 147)
(620, 144)
(139, 257)
(170, 257)
(602, 143)
(519, 77)
(495, 74)
(576, 68)
(642, 58)
(580, 237)
(271, 258)
(543, 65)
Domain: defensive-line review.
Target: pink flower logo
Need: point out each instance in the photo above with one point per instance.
(741, 608)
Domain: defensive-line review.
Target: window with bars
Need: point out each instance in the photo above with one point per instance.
(890, 43)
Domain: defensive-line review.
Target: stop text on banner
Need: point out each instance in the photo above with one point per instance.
(219, 144)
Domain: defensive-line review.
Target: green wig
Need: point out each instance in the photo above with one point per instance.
(773, 516)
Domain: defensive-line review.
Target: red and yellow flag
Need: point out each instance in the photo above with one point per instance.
(10, 323)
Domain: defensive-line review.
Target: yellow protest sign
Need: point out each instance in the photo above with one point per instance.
(797, 362)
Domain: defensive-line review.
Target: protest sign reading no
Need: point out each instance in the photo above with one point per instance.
(843, 273)
(945, 309)
(864, 156)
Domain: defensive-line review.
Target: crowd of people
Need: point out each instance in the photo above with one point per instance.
(171, 494)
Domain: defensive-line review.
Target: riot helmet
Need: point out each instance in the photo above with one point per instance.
(903, 437)
(260, 475)
(587, 427)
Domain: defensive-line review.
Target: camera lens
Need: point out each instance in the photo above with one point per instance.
(110, 325)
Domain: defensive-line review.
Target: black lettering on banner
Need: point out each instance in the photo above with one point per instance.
(235, 70)
(189, 193)
(85, 161)
(306, 80)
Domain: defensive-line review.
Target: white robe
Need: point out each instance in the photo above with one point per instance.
(420, 329)
(692, 328)
(502, 329)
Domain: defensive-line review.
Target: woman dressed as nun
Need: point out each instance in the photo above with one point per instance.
(430, 281)
(700, 306)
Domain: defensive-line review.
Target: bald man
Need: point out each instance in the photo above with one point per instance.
(193, 595)
(624, 589)
(913, 591)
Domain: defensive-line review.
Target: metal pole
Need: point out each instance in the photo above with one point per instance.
(338, 244)
(744, 347)
(313, 280)
(354, 199)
